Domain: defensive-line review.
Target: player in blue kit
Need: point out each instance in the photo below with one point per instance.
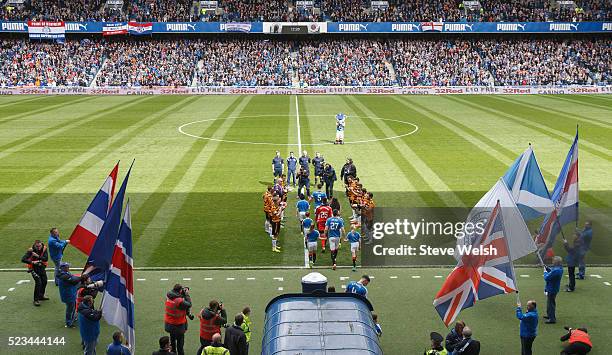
(340, 125)
(318, 196)
(359, 287)
(311, 242)
(302, 207)
(354, 238)
(306, 224)
(334, 229)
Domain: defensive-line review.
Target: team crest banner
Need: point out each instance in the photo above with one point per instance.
(47, 30)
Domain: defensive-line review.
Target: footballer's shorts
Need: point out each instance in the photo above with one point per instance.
(322, 232)
(354, 247)
(312, 246)
(333, 243)
(302, 216)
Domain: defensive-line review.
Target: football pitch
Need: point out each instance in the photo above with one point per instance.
(203, 162)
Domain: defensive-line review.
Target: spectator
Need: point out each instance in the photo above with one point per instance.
(528, 326)
(579, 342)
(467, 346)
(454, 337)
(552, 277)
(164, 347)
(117, 347)
(36, 259)
(89, 325)
(235, 339)
(377, 325)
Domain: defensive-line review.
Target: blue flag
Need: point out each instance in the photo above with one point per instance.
(526, 184)
(99, 259)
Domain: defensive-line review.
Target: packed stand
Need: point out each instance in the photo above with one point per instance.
(438, 63)
(55, 10)
(359, 62)
(244, 63)
(25, 63)
(149, 63)
(254, 10)
(548, 62)
(162, 10)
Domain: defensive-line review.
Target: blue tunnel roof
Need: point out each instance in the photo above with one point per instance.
(321, 323)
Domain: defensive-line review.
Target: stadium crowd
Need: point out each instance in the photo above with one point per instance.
(346, 62)
(327, 10)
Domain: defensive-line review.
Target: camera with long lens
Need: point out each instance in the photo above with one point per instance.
(184, 292)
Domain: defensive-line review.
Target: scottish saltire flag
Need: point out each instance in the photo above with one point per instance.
(564, 197)
(99, 259)
(85, 233)
(477, 277)
(519, 239)
(118, 300)
(525, 181)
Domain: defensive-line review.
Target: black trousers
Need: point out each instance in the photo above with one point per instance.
(203, 343)
(576, 349)
(526, 344)
(40, 284)
(177, 341)
(551, 306)
(329, 189)
(571, 270)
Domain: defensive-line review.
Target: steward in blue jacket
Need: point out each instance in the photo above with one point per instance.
(89, 324)
(68, 285)
(553, 277)
(56, 251)
(528, 327)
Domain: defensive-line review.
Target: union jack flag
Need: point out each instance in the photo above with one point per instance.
(477, 277)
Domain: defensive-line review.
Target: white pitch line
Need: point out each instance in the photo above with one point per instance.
(230, 278)
(22, 281)
(186, 278)
(280, 288)
(438, 276)
(279, 279)
(2, 298)
(163, 279)
(250, 278)
(416, 276)
(343, 286)
(525, 276)
(596, 276)
(11, 289)
(393, 277)
(342, 278)
(607, 283)
(141, 279)
(208, 279)
(299, 142)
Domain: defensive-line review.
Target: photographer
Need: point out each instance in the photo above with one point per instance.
(178, 304)
(579, 341)
(35, 259)
(88, 288)
(303, 177)
(211, 320)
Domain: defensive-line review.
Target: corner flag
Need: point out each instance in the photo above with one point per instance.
(118, 300)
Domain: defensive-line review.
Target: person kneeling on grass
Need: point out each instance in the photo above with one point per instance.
(579, 341)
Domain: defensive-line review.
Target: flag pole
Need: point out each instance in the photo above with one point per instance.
(501, 216)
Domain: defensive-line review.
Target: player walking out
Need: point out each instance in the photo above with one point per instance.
(318, 196)
(302, 207)
(322, 213)
(359, 287)
(340, 124)
(311, 241)
(334, 229)
(354, 238)
(275, 216)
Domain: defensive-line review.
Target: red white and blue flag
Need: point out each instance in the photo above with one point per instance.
(118, 300)
(140, 28)
(564, 198)
(86, 232)
(99, 260)
(432, 26)
(477, 277)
